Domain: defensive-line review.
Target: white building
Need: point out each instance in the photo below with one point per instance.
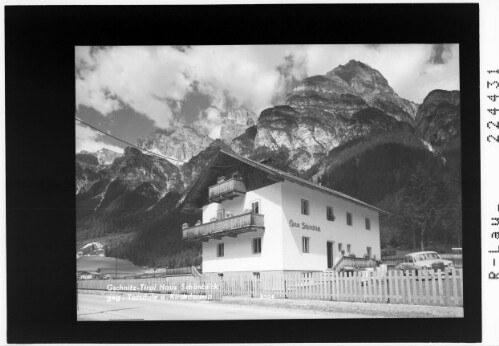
(256, 218)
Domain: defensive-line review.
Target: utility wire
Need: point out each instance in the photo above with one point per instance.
(130, 144)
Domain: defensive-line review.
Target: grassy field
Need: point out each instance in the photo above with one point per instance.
(107, 265)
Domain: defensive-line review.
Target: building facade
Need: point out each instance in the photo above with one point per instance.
(255, 218)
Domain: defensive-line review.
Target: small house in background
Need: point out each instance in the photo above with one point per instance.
(255, 218)
(82, 275)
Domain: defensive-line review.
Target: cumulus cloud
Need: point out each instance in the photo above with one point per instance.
(291, 71)
(152, 79)
(440, 54)
(209, 122)
(156, 81)
(91, 140)
(147, 79)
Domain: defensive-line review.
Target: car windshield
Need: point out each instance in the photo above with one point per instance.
(427, 256)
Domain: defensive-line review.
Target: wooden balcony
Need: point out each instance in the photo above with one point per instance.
(232, 226)
(227, 189)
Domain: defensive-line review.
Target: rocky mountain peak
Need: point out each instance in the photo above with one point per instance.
(439, 96)
(438, 118)
(104, 156)
(236, 121)
(369, 84)
(325, 111)
(364, 79)
(135, 168)
(180, 143)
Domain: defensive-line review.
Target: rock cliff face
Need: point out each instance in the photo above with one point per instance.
(104, 156)
(235, 123)
(245, 144)
(191, 170)
(370, 84)
(121, 194)
(438, 118)
(323, 112)
(90, 167)
(87, 171)
(135, 168)
(180, 143)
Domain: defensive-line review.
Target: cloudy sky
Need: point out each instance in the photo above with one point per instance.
(130, 91)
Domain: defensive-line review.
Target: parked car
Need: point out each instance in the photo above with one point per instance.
(424, 260)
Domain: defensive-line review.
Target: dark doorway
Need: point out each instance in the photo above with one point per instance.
(330, 254)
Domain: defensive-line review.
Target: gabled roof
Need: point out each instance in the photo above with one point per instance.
(207, 178)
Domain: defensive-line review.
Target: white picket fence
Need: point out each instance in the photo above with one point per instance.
(422, 288)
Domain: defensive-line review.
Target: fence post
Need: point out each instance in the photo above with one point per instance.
(345, 286)
(455, 295)
(340, 285)
(416, 291)
(352, 281)
(461, 286)
(433, 288)
(427, 286)
(285, 288)
(379, 282)
(354, 286)
(407, 283)
(440, 290)
(390, 286)
(251, 286)
(385, 287)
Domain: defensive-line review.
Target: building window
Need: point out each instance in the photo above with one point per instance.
(349, 219)
(255, 207)
(257, 245)
(340, 247)
(369, 252)
(305, 242)
(305, 208)
(330, 213)
(349, 249)
(220, 250)
(368, 223)
(220, 214)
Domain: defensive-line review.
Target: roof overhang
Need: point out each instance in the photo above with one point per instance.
(256, 175)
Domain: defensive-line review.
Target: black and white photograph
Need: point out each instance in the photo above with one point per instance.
(268, 182)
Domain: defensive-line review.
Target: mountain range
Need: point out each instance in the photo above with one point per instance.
(347, 130)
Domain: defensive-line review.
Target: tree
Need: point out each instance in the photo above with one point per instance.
(419, 204)
(451, 215)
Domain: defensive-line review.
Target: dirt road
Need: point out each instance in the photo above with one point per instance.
(103, 307)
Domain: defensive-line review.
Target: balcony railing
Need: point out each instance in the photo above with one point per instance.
(231, 226)
(227, 189)
(352, 263)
